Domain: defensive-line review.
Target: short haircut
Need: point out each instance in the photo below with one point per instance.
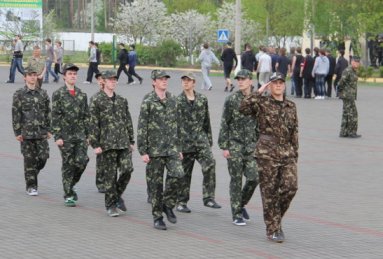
(307, 51)
(206, 45)
(282, 51)
(36, 47)
(341, 52)
(48, 40)
(299, 50)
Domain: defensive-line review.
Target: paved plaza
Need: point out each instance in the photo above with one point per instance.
(337, 212)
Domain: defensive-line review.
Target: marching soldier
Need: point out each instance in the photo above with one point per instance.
(31, 120)
(276, 151)
(237, 138)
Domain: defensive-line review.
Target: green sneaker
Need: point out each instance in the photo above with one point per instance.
(70, 202)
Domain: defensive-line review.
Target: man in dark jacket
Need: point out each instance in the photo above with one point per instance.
(308, 80)
(341, 65)
(331, 71)
(248, 60)
(228, 57)
(123, 58)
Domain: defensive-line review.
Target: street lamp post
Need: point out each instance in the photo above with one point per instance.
(238, 33)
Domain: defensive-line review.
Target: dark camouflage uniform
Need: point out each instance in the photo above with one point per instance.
(31, 118)
(111, 128)
(238, 134)
(157, 137)
(347, 92)
(70, 119)
(276, 154)
(195, 141)
(99, 165)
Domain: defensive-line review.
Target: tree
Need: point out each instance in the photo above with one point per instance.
(140, 20)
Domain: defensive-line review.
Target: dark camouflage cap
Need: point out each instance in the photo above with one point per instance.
(159, 74)
(29, 70)
(70, 66)
(244, 73)
(277, 76)
(189, 75)
(109, 74)
(355, 58)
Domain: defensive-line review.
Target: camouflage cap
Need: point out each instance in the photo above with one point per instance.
(277, 76)
(109, 74)
(355, 58)
(159, 74)
(70, 66)
(189, 75)
(244, 73)
(29, 70)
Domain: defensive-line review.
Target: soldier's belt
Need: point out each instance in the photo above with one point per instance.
(276, 140)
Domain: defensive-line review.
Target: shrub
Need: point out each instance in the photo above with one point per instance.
(369, 72)
(362, 72)
(381, 72)
(145, 55)
(167, 52)
(106, 52)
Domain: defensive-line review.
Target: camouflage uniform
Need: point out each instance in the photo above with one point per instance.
(111, 128)
(276, 153)
(70, 117)
(38, 64)
(157, 137)
(238, 134)
(195, 141)
(99, 165)
(347, 92)
(31, 118)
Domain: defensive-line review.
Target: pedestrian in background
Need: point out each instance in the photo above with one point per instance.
(93, 63)
(158, 145)
(264, 67)
(132, 62)
(123, 59)
(38, 64)
(31, 120)
(320, 71)
(228, 58)
(111, 135)
(331, 72)
(248, 60)
(276, 151)
(50, 58)
(237, 138)
(347, 88)
(59, 56)
(295, 75)
(207, 57)
(70, 122)
(283, 63)
(17, 60)
(195, 139)
(340, 66)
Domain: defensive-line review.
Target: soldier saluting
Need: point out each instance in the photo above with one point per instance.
(276, 151)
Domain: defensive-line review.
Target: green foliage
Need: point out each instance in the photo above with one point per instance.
(76, 57)
(369, 71)
(201, 6)
(145, 55)
(106, 52)
(381, 72)
(167, 52)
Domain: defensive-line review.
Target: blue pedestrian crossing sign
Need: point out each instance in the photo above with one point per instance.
(223, 35)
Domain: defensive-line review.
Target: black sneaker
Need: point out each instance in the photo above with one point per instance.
(101, 190)
(183, 208)
(276, 237)
(212, 204)
(245, 215)
(121, 205)
(140, 80)
(170, 215)
(354, 136)
(239, 222)
(9, 82)
(159, 224)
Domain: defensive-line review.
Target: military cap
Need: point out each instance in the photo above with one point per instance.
(277, 76)
(29, 70)
(109, 74)
(189, 75)
(355, 58)
(70, 66)
(244, 73)
(159, 74)
(97, 75)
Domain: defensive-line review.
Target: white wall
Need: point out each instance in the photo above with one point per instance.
(79, 41)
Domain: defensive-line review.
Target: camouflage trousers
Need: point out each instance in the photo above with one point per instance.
(74, 160)
(99, 173)
(278, 183)
(36, 153)
(155, 178)
(207, 162)
(239, 166)
(118, 168)
(349, 123)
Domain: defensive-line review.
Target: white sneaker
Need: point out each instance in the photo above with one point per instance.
(132, 83)
(323, 97)
(318, 97)
(32, 192)
(239, 222)
(86, 82)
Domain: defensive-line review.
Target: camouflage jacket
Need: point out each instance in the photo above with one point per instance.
(31, 113)
(157, 126)
(70, 115)
(278, 126)
(38, 64)
(238, 132)
(193, 123)
(347, 86)
(111, 125)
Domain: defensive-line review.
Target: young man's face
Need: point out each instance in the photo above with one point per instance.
(36, 52)
(110, 83)
(187, 83)
(30, 78)
(70, 77)
(100, 82)
(355, 64)
(277, 88)
(244, 83)
(161, 83)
